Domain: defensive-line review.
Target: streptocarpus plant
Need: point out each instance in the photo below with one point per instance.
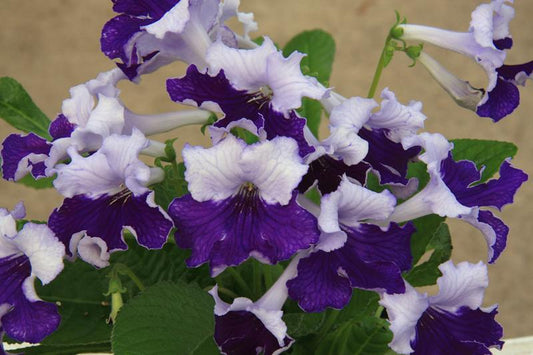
(272, 239)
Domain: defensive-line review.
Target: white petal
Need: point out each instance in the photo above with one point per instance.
(352, 113)
(8, 225)
(404, 311)
(275, 167)
(94, 251)
(352, 204)
(461, 285)
(273, 322)
(173, 21)
(43, 249)
(400, 120)
(436, 147)
(78, 107)
(105, 171)
(246, 69)
(345, 143)
(288, 84)
(214, 173)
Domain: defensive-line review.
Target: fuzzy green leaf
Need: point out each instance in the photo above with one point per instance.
(168, 318)
(18, 109)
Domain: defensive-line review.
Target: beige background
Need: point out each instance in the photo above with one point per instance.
(52, 45)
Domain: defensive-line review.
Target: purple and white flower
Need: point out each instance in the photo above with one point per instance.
(361, 139)
(107, 192)
(246, 327)
(352, 253)
(453, 321)
(452, 192)
(242, 203)
(32, 252)
(148, 35)
(486, 42)
(257, 85)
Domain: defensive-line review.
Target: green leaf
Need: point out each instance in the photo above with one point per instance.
(363, 303)
(320, 49)
(312, 111)
(427, 272)
(173, 186)
(168, 318)
(369, 335)
(418, 170)
(489, 154)
(18, 109)
(302, 324)
(79, 290)
(425, 229)
(30, 181)
(154, 266)
(65, 350)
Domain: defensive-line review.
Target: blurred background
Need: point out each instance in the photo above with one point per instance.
(50, 46)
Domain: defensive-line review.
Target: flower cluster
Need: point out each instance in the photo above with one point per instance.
(336, 214)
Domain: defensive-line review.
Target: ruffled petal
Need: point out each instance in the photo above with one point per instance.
(229, 231)
(22, 155)
(502, 100)
(494, 231)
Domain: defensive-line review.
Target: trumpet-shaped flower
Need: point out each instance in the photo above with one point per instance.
(486, 42)
(32, 252)
(242, 203)
(451, 191)
(351, 253)
(107, 192)
(450, 322)
(149, 34)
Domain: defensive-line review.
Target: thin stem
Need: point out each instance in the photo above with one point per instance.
(379, 311)
(379, 69)
(125, 270)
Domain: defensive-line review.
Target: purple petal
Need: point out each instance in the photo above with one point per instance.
(494, 231)
(387, 157)
(509, 72)
(241, 332)
(502, 100)
(495, 193)
(503, 43)
(375, 245)
(465, 332)
(31, 321)
(106, 216)
(155, 9)
(13, 271)
(319, 284)
(16, 148)
(237, 104)
(329, 171)
(227, 232)
(27, 321)
(458, 175)
(61, 127)
(116, 34)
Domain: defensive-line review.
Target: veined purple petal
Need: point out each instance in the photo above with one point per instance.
(61, 127)
(106, 216)
(31, 321)
(237, 104)
(319, 283)
(510, 72)
(466, 331)
(26, 321)
(387, 157)
(373, 244)
(155, 9)
(116, 34)
(30, 150)
(241, 332)
(494, 193)
(370, 259)
(328, 172)
(502, 100)
(229, 231)
(494, 231)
